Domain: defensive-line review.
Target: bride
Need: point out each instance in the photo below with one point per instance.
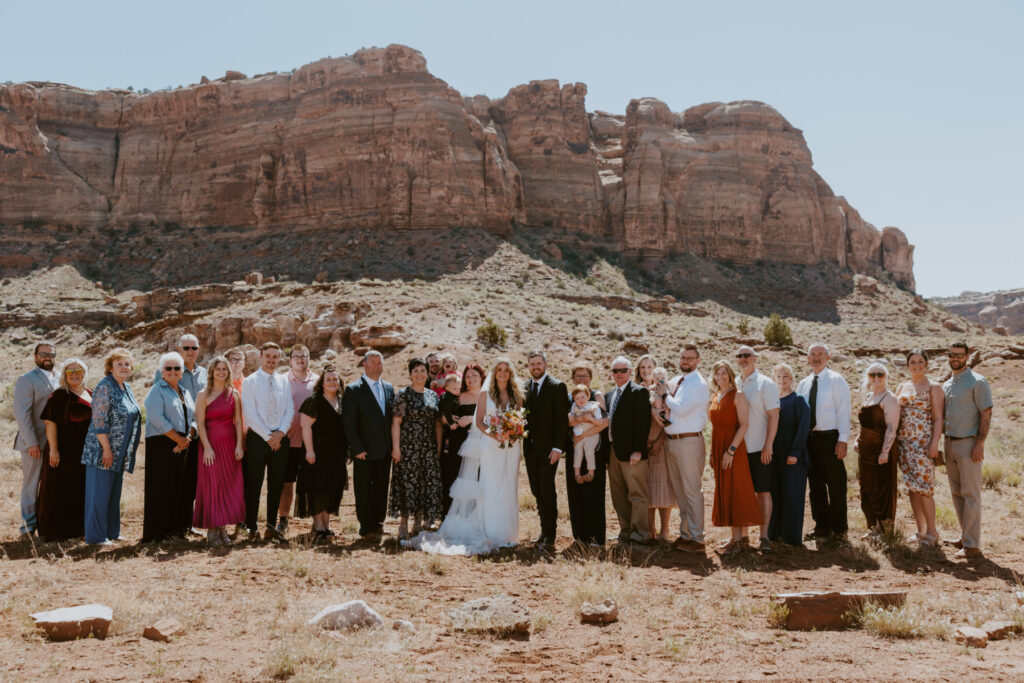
(485, 498)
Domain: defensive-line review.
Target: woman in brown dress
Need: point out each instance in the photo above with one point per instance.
(660, 497)
(879, 419)
(735, 504)
(67, 415)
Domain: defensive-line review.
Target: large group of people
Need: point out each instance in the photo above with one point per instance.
(430, 453)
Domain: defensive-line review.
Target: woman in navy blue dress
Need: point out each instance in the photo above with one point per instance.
(790, 460)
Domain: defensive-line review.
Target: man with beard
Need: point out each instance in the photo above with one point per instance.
(968, 414)
(547, 416)
(30, 394)
(301, 381)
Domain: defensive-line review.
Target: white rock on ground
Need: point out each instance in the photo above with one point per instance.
(351, 614)
(68, 623)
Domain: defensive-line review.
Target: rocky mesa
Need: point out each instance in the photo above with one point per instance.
(1003, 310)
(374, 141)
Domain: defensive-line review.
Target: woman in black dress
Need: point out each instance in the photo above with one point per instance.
(323, 475)
(67, 415)
(416, 450)
(456, 431)
(586, 501)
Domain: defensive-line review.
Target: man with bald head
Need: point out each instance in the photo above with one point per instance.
(828, 395)
(193, 380)
(762, 423)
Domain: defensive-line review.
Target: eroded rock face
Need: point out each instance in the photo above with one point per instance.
(993, 309)
(374, 141)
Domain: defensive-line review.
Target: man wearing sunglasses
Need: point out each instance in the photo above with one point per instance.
(629, 410)
(762, 422)
(193, 380)
(966, 419)
(30, 394)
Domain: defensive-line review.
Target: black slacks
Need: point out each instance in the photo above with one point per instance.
(370, 483)
(163, 490)
(827, 479)
(541, 474)
(586, 501)
(260, 459)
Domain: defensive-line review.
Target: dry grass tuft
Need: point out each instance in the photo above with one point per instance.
(904, 622)
(778, 614)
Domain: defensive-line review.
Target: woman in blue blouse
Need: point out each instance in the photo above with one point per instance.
(790, 461)
(110, 447)
(170, 426)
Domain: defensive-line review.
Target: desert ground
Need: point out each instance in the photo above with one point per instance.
(682, 616)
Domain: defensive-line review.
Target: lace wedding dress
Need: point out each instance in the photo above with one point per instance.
(485, 499)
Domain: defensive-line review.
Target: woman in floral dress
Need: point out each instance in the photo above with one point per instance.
(416, 434)
(921, 408)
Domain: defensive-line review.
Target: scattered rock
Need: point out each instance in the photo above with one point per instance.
(231, 75)
(975, 358)
(1016, 348)
(402, 625)
(821, 610)
(552, 250)
(68, 623)
(163, 630)
(971, 636)
(1000, 330)
(360, 351)
(954, 325)
(500, 615)
(379, 337)
(269, 280)
(865, 284)
(999, 629)
(604, 612)
(321, 276)
(1019, 597)
(254, 278)
(634, 346)
(351, 614)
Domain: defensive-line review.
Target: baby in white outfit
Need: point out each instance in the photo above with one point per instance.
(585, 448)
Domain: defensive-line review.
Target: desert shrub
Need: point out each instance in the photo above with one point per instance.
(492, 334)
(778, 614)
(906, 621)
(743, 327)
(995, 474)
(776, 332)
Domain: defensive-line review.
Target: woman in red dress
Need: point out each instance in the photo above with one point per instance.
(735, 504)
(220, 498)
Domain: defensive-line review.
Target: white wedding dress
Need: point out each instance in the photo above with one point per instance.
(485, 499)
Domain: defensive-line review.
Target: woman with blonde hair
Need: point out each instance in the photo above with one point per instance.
(110, 445)
(879, 419)
(67, 414)
(660, 496)
(499, 460)
(735, 504)
(790, 460)
(220, 489)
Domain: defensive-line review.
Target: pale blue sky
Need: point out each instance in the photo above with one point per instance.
(911, 109)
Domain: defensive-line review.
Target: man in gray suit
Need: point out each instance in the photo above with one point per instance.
(30, 394)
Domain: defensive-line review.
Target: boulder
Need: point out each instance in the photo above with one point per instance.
(380, 337)
(865, 284)
(604, 612)
(827, 610)
(351, 614)
(163, 630)
(500, 615)
(255, 279)
(402, 625)
(971, 636)
(634, 346)
(999, 629)
(68, 623)
(1000, 330)
(954, 325)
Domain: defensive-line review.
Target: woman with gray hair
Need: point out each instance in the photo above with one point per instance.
(68, 412)
(879, 419)
(170, 426)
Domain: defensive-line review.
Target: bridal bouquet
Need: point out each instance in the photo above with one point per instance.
(510, 423)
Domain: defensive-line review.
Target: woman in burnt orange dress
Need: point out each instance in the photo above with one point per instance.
(735, 504)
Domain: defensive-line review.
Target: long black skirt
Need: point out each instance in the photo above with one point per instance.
(165, 483)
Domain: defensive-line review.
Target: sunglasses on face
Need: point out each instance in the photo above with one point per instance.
(172, 368)
(876, 374)
(47, 355)
(75, 372)
(958, 355)
(619, 371)
(189, 348)
(744, 355)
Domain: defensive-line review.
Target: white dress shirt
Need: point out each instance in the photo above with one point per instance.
(833, 409)
(267, 403)
(762, 395)
(688, 404)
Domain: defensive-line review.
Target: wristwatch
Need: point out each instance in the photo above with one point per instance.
(732, 450)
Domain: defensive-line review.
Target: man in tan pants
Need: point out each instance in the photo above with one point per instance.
(687, 398)
(966, 419)
(629, 410)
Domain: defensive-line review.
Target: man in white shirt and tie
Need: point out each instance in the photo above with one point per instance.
(687, 396)
(828, 395)
(267, 409)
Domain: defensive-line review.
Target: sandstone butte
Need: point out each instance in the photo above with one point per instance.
(375, 141)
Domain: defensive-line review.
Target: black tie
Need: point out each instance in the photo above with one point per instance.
(536, 388)
(615, 402)
(814, 402)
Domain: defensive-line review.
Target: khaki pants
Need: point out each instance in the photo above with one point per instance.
(965, 485)
(628, 486)
(685, 460)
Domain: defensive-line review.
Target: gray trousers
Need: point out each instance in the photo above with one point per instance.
(31, 468)
(685, 460)
(965, 486)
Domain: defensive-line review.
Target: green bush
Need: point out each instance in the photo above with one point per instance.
(776, 332)
(743, 327)
(492, 334)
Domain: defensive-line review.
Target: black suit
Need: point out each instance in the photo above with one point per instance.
(631, 421)
(368, 430)
(548, 422)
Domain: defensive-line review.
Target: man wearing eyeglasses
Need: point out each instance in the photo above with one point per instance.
(967, 416)
(193, 380)
(687, 398)
(629, 411)
(762, 422)
(30, 394)
(828, 395)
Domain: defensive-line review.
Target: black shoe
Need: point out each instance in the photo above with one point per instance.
(272, 534)
(282, 524)
(254, 535)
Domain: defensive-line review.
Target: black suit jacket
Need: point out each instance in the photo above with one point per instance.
(547, 417)
(367, 429)
(631, 421)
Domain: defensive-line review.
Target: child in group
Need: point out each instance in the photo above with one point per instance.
(660, 376)
(582, 406)
(449, 402)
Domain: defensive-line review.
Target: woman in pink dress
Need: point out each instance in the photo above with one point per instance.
(220, 498)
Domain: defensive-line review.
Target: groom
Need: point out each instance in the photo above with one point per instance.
(547, 405)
